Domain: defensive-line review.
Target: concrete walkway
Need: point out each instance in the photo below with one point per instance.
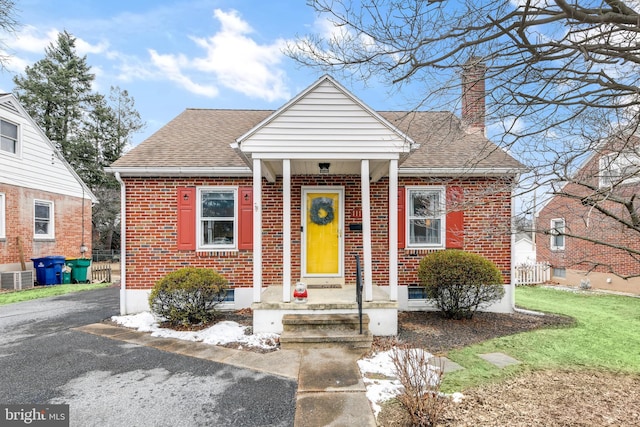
(330, 388)
(331, 391)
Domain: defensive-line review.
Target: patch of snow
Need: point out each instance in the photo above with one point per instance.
(221, 333)
(457, 397)
(380, 377)
(378, 371)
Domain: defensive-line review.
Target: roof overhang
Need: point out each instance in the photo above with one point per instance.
(181, 171)
(460, 171)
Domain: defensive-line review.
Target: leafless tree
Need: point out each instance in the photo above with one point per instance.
(8, 23)
(562, 82)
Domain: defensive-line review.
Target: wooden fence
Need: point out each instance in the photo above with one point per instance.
(101, 273)
(532, 274)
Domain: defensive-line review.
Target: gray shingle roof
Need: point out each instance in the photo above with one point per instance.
(202, 138)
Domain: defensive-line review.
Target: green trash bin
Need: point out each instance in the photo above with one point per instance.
(79, 269)
(66, 274)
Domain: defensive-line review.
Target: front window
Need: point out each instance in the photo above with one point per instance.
(557, 234)
(2, 216)
(43, 219)
(8, 137)
(217, 225)
(426, 217)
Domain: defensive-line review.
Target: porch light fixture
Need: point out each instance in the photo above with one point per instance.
(324, 168)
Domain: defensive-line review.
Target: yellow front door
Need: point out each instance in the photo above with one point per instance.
(323, 234)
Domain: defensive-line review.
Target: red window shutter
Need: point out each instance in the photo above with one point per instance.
(245, 225)
(455, 219)
(402, 221)
(186, 218)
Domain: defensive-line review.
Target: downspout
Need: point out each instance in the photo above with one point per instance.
(513, 243)
(123, 252)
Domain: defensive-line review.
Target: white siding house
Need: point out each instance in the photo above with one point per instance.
(45, 208)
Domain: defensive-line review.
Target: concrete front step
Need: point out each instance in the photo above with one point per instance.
(313, 330)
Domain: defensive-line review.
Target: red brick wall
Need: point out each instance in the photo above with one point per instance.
(19, 223)
(151, 229)
(487, 224)
(581, 220)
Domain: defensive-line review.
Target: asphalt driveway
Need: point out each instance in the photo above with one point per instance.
(113, 383)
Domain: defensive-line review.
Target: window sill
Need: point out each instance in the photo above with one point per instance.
(219, 253)
(44, 239)
(415, 251)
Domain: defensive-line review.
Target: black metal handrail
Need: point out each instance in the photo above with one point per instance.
(359, 290)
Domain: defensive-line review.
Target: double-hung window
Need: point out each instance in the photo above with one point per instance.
(217, 218)
(8, 137)
(426, 216)
(557, 234)
(43, 223)
(3, 216)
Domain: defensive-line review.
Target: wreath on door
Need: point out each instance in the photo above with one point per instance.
(321, 210)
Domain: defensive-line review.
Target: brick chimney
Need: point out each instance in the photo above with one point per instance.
(473, 94)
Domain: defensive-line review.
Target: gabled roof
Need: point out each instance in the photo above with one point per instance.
(201, 141)
(326, 119)
(11, 104)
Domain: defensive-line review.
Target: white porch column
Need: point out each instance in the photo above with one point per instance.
(257, 230)
(393, 230)
(286, 230)
(366, 229)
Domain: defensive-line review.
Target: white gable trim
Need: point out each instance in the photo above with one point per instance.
(353, 140)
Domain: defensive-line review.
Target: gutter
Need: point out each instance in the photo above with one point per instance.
(135, 171)
(123, 249)
(459, 171)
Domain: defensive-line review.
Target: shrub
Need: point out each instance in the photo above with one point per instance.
(188, 296)
(460, 282)
(420, 393)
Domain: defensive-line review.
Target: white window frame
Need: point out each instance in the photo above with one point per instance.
(3, 216)
(52, 229)
(199, 241)
(18, 145)
(442, 216)
(554, 234)
(612, 168)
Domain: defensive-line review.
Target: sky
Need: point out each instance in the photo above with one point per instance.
(176, 54)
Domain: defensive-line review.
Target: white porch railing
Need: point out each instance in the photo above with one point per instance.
(532, 274)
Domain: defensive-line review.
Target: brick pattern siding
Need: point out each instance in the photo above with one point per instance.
(581, 220)
(151, 219)
(67, 210)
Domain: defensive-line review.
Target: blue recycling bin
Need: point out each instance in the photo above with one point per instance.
(49, 269)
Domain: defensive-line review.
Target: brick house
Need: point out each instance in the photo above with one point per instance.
(610, 172)
(45, 208)
(270, 198)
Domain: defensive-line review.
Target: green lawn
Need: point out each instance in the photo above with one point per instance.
(46, 291)
(605, 336)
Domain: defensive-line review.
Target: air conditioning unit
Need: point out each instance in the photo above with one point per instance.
(16, 280)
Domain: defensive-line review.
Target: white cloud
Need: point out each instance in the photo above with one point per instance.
(31, 41)
(233, 60)
(240, 63)
(171, 67)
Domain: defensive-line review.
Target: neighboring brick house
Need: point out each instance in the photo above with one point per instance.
(610, 172)
(270, 198)
(45, 208)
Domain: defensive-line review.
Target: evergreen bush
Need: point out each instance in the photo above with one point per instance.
(460, 282)
(188, 296)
